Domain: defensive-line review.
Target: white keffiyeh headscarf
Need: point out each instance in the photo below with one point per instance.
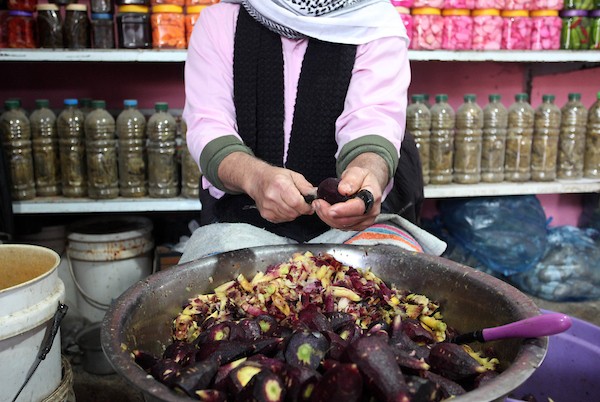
(352, 22)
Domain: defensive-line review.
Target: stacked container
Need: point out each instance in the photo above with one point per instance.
(163, 174)
(467, 142)
(442, 141)
(133, 161)
(545, 140)
(45, 149)
(493, 147)
(519, 136)
(71, 137)
(571, 145)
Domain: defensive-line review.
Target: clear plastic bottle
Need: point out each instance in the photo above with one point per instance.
(418, 123)
(71, 142)
(545, 140)
(592, 142)
(190, 172)
(45, 149)
(101, 150)
(16, 142)
(467, 141)
(493, 146)
(442, 141)
(131, 134)
(519, 135)
(163, 174)
(571, 142)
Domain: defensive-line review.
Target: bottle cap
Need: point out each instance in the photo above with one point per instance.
(514, 13)
(167, 8)
(426, 11)
(101, 16)
(98, 104)
(573, 13)
(441, 98)
(403, 10)
(520, 97)
(485, 12)
(85, 102)
(131, 8)
(574, 96)
(20, 13)
(47, 7)
(470, 97)
(71, 102)
(456, 11)
(547, 98)
(417, 98)
(11, 104)
(161, 106)
(494, 97)
(40, 103)
(543, 13)
(76, 7)
(194, 9)
(130, 102)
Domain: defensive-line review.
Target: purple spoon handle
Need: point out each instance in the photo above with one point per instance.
(541, 325)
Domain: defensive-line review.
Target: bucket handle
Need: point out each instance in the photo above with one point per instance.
(87, 297)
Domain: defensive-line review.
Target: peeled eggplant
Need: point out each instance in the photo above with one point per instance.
(452, 361)
(197, 377)
(306, 349)
(263, 387)
(343, 382)
(165, 371)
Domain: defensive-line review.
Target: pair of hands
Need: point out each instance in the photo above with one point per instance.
(279, 196)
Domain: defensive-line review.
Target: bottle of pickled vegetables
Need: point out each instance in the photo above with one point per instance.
(467, 141)
(45, 149)
(519, 136)
(571, 142)
(418, 123)
(493, 146)
(442, 141)
(71, 143)
(163, 173)
(545, 140)
(133, 161)
(592, 142)
(101, 150)
(190, 172)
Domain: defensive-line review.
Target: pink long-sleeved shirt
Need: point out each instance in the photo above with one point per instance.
(375, 103)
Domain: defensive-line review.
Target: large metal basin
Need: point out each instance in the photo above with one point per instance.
(141, 318)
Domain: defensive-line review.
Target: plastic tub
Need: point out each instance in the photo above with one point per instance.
(107, 256)
(30, 292)
(570, 370)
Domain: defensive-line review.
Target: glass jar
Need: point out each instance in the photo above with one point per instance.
(103, 31)
(76, 30)
(101, 6)
(49, 25)
(489, 4)
(191, 16)
(545, 30)
(546, 5)
(574, 33)
(457, 33)
(407, 20)
(516, 32)
(133, 26)
(487, 29)
(21, 30)
(21, 5)
(594, 29)
(428, 27)
(168, 27)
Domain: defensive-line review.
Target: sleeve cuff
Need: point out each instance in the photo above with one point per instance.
(213, 154)
(369, 143)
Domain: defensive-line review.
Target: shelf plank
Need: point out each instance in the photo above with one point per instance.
(175, 56)
(62, 205)
(510, 188)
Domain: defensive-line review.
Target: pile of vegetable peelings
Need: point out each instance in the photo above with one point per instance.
(314, 329)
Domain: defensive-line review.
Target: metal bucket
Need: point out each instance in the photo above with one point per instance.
(141, 318)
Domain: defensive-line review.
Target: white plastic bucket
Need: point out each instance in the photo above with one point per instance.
(107, 255)
(30, 291)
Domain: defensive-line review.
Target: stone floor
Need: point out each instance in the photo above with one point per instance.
(113, 388)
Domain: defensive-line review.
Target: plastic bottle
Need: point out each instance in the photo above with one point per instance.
(418, 123)
(101, 150)
(467, 141)
(190, 172)
(442, 141)
(571, 142)
(131, 134)
(493, 146)
(519, 135)
(163, 175)
(71, 137)
(545, 140)
(15, 132)
(45, 149)
(592, 141)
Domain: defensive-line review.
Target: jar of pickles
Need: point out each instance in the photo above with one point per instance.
(428, 27)
(133, 27)
(21, 29)
(545, 30)
(574, 33)
(168, 27)
(595, 29)
(457, 33)
(407, 20)
(103, 31)
(516, 33)
(49, 25)
(77, 27)
(487, 29)
(21, 5)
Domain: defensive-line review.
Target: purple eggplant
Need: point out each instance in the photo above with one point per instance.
(197, 377)
(452, 361)
(211, 395)
(275, 365)
(267, 324)
(376, 361)
(407, 360)
(144, 359)
(343, 382)
(306, 349)
(312, 319)
(423, 390)
(220, 380)
(350, 332)
(263, 387)
(328, 191)
(337, 345)
(297, 379)
(251, 329)
(165, 371)
(224, 331)
(182, 352)
(240, 376)
(448, 387)
(337, 319)
(416, 332)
